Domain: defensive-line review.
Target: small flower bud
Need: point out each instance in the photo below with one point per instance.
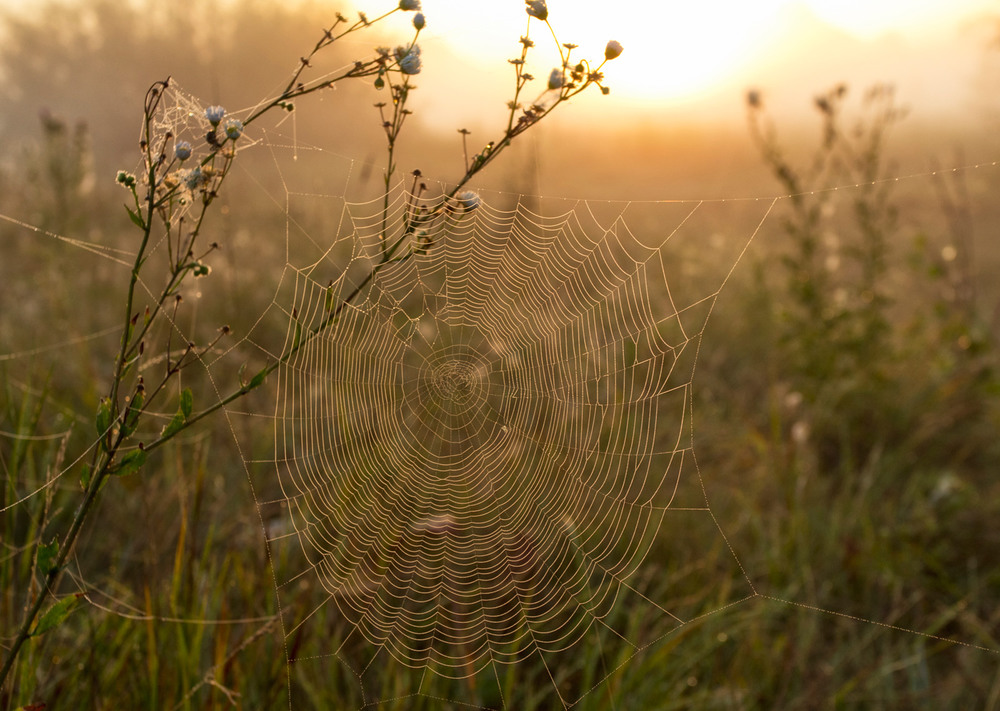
(419, 21)
(125, 179)
(537, 8)
(613, 50)
(468, 200)
(234, 129)
(409, 5)
(408, 59)
(182, 150)
(214, 114)
(556, 79)
(194, 178)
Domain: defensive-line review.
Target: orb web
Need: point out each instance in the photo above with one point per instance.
(478, 454)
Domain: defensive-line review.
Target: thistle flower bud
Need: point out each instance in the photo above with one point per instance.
(234, 129)
(214, 114)
(468, 200)
(409, 5)
(419, 21)
(182, 149)
(408, 59)
(613, 50)
(537, 9)
(556, 79)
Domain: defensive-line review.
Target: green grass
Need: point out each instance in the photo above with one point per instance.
(852, 571)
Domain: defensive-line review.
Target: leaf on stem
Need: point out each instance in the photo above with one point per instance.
(104, 416)
(136, 218)
(134, 411)
(184, 410)
(131, 462)
(257, 380)
(47, 553)
(55, 615)
(187, 402)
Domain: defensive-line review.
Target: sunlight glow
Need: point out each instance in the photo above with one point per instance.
(867, 19)
(676, 51)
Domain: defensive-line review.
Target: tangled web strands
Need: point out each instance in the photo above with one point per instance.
(480, 454)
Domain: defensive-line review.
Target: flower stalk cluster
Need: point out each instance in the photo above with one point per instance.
(180, 179)
(566, 81)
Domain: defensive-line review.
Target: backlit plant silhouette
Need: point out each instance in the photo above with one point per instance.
(171, 199)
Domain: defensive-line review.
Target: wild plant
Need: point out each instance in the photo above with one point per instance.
(879, 347)
(170, 201)
(834, 327)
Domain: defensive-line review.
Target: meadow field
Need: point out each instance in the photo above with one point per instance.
(791, 320)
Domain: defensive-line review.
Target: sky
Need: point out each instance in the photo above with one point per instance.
(691, 63)
(696, 53)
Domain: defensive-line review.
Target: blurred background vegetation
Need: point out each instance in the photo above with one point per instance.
(846, 399)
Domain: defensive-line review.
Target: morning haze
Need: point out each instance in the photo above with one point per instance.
(772, 245)
(91, 62)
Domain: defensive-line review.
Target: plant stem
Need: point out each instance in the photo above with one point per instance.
(122, 421)
(51, 576)
(97, 479)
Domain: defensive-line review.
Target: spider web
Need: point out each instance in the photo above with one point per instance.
(481, 476)
(479, 455)
(486, 464)
(475, 459)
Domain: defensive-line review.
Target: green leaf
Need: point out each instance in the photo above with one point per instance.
(131, 462)
(184, 410)
(175, 425)
(85, 476)
(104, 416)
(47, 553)
(136, 218)
(134, 411)
(257, 380)
(54, 616)
(187, 402)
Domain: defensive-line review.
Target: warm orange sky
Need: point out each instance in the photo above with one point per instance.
(678, 47)
(684, 52)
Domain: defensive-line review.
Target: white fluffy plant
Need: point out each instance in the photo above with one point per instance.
(170, 200)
